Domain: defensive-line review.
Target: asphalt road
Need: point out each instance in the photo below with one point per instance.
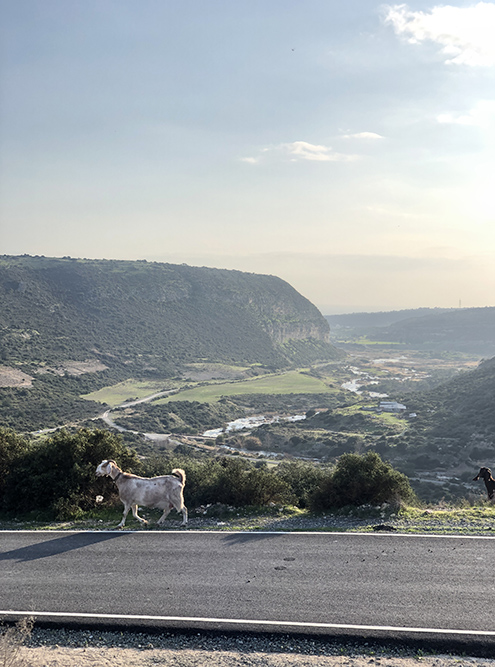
(323, 581)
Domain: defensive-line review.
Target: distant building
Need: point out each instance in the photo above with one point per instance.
(391, 406)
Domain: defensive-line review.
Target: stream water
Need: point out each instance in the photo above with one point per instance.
(251, 422)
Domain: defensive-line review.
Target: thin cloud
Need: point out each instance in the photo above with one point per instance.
(465, 34)
(302, 150)
(296, 151)
(363, 135)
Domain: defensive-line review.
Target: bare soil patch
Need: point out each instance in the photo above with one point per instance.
(11, 377)
(75, 367)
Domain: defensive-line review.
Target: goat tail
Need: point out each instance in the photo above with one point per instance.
(178, 472)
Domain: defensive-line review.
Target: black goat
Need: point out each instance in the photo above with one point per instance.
(486, 476)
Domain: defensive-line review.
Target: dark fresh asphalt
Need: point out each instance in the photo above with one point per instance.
(366, 580)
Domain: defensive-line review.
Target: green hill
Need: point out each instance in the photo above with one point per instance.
(69, 326)
(462, 408)
(451, 437)
(470, 330)
(379, 319)
(466, 330)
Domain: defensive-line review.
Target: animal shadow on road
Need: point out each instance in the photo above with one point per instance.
(57, 546)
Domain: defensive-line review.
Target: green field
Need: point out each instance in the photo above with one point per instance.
(127, 390)
(292, 382)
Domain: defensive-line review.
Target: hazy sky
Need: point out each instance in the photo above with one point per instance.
(345, 146)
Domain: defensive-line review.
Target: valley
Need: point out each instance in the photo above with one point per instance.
(164, 354)
(315, 413)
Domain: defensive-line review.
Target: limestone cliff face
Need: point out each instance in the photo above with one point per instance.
(281, 333)
(286, 315)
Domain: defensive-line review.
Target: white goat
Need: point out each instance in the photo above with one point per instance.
(163, 492)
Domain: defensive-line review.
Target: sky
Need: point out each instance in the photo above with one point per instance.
(346, 147)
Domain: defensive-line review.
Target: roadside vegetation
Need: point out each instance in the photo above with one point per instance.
(50, 483)
(54, 477)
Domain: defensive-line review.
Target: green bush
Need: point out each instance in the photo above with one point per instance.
(362, 480)
(58, 473)
(12, 447)
(230, 481)
(240, 483)
(303, 480)
(252, 443)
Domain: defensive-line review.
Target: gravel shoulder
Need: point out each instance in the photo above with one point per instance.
(84, 648)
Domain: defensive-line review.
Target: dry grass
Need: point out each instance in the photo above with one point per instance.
(11, 642)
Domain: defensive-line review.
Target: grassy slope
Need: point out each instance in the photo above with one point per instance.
(293, 382)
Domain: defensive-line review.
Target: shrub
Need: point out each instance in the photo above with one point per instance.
(303, 480)
(240, 483)
(361, 480)
(230, 481)
(252, 443)
(58, 473)
(11, 642)
(12, 447)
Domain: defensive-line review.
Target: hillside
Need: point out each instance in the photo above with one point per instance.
(462, 408)
(379, 319)
(453, 432)
(465, 330)
(470, 330)
(73, 325)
